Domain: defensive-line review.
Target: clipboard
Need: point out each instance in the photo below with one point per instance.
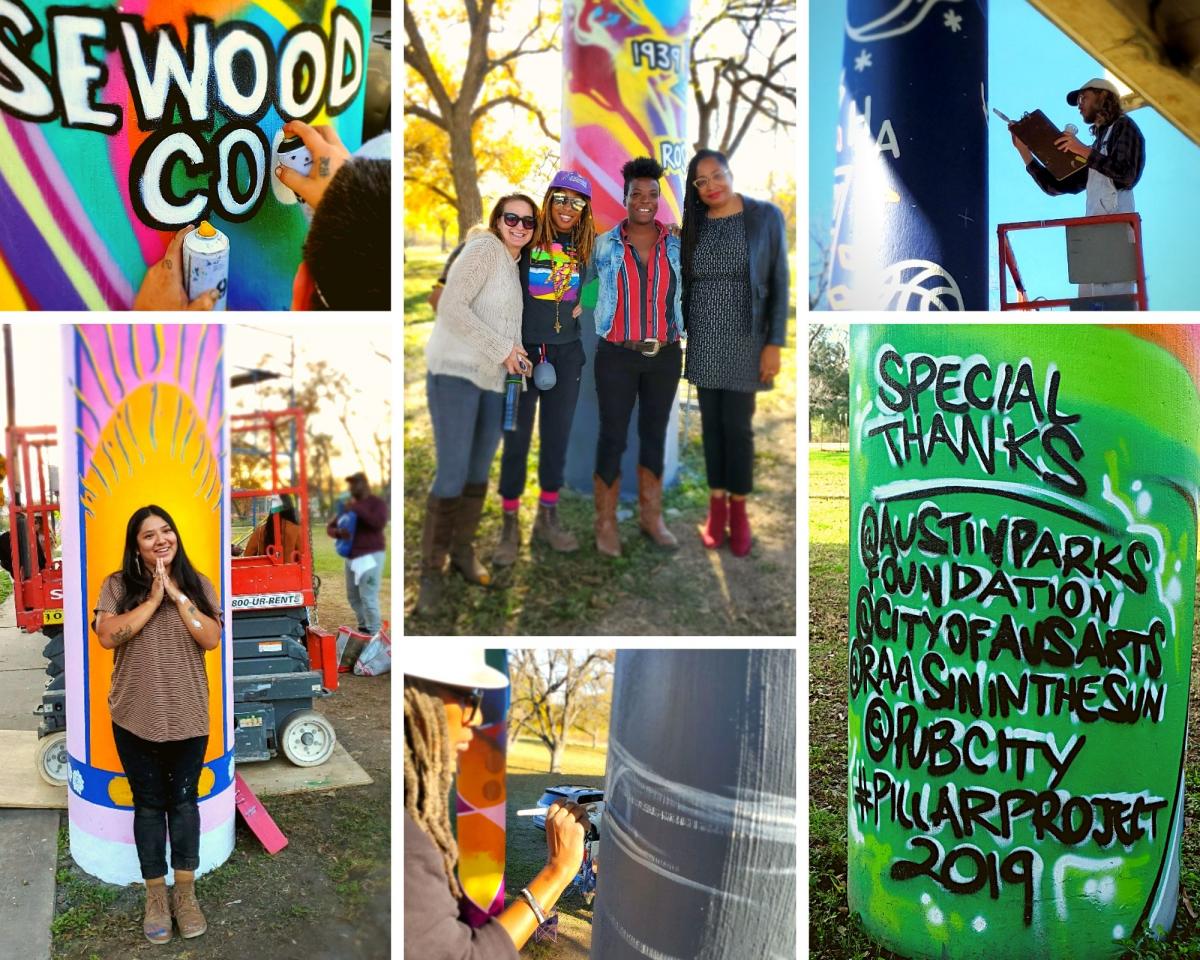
(1037, 133)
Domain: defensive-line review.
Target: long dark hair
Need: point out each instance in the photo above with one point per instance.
(286, 512)
(694, 211)
(136, 580)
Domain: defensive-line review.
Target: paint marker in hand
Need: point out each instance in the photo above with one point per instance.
(533, 811)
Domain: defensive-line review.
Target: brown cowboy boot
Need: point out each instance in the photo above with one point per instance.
(157, 923)
(466, 526)
(186, 907)
(510, 541)
(608, 540)
(547, 528)
(650, 510)
(440, 513)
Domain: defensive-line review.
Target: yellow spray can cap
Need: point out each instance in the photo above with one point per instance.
(206, 229)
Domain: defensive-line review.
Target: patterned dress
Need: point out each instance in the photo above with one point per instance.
(723, 345)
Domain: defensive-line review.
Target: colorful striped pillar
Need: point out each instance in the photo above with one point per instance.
(144, 422)
(910, 227)
(101, 160)
(625, 95)
(1022, 578)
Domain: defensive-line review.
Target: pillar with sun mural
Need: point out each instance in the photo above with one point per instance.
(910, 224)
(144, 412)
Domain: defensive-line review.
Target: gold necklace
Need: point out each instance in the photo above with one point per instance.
(560, 281)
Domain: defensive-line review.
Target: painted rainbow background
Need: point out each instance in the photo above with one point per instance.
(69, 238)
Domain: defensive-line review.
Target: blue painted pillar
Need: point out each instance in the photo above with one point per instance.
(910, 226)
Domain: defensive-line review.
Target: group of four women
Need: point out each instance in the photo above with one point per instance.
(511, 306)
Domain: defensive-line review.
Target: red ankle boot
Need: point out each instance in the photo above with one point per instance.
(739, 527)
(713, 531)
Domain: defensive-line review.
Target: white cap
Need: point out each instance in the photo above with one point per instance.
(454, 666)
(1096, 83)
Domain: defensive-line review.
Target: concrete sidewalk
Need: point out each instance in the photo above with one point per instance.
(22, 673)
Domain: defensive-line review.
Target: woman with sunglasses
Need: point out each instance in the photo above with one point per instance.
(735, 305)
(476, 342)
(442, 694)
(551, 267)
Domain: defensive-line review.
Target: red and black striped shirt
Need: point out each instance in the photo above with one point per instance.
(645, 292)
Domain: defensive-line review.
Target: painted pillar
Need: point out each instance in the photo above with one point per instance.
(910, 223)
(481, 805)
(700, 807)
(109, 147)
(1022, 577)
(144, 422)
(625, 95)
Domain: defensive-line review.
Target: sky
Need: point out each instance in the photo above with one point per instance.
(1048, 65)
(357, 348)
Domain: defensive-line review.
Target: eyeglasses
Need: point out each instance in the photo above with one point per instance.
(511, 219)
(720, 178)
(562, 200)
(470, 701)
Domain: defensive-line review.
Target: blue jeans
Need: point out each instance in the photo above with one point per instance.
(364, 595)
(467, 424)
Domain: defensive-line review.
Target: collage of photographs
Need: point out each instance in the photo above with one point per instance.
(674, 684)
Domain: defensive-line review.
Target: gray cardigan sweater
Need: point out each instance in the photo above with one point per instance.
(432, 930)
(479, 316)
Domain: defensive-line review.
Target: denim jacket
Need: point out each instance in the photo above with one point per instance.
(607, 255)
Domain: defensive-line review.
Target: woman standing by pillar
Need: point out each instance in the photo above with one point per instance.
(160, 617)
(551, 269)
(476, 341)
(735, 305)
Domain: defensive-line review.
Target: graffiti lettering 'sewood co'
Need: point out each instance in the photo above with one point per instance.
(1023, 561)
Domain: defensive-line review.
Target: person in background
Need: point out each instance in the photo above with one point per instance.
(551, 269)
(639, 320)
(735, 308)
(443, 690)
(440, 284)
(475, 344)
(6, 546)
(263, 536)
(364, 565)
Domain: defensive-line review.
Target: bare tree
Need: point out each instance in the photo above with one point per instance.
(550, 688)
(488, 80)
(732, 89)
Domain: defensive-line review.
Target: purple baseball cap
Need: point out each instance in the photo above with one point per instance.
(570, 180)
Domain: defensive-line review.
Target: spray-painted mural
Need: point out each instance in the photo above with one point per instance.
(121, 124)
(145, 424)
(625, 95)
(910, 227)
(1023, 561)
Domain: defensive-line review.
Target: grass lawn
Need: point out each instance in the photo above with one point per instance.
(833, 934)
(693, 591)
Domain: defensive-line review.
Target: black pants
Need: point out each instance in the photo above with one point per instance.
(554, 422)
(622, 377)
(163, 777)
(725, 417)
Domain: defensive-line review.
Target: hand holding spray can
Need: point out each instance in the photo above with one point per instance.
(293, 154)
(206, 263)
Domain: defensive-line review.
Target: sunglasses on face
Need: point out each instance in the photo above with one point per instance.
(562, 200)
(470, 701)
(720, 178)
(511, 219)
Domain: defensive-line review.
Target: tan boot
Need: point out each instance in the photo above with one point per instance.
(548, 529)
(186, 907)
(156, 925)
(440, 514)
(466, 526)
(608, 540)
(510, 541)
(650, 517)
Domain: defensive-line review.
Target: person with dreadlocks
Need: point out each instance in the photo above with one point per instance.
(443, 691)
(160, 617)
(551, 270)
(735, 309)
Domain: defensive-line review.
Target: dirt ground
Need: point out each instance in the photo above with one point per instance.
(326, 896)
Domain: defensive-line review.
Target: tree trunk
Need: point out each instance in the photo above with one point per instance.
(556, 756)
(466, 176)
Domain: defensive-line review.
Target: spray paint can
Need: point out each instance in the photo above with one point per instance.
(293, 154)
(206, 263)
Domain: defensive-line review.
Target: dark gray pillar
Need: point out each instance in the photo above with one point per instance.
(697, 853)
(910, 225)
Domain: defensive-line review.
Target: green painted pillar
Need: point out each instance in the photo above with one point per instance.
(1022, 578)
